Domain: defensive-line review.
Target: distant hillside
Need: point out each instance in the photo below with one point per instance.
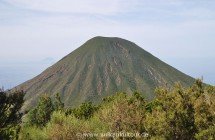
(100, 67)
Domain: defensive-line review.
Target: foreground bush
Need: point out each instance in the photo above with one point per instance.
(123, 113)
(180, 113)
(176, 113)
(10, 115)
(41, 114)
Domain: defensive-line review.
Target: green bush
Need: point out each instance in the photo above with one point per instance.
(181, 113)
(41, 114)
(10, 115)
(33, 133)
(84, 111)
(175, 113)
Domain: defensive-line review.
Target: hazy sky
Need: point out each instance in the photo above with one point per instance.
(179, 32)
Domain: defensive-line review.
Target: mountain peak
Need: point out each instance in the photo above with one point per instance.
(103, 40)
(106, 44)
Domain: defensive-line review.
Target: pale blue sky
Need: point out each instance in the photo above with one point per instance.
(179, 32)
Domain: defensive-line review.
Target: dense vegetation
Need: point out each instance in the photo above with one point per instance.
(10, 116)
(175, 113)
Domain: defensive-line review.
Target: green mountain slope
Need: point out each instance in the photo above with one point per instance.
(101, 67)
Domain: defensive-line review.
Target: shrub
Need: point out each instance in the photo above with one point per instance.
(123, 113)
(175, 113)
(181, 113)
(33, 133)
(41, 114)
(10, 116)
(84, 111)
